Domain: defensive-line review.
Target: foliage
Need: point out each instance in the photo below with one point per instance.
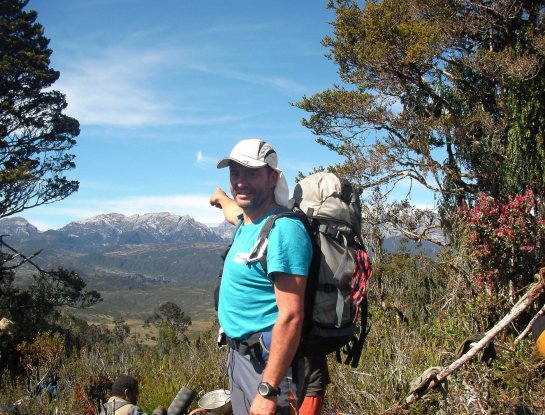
(35, 135)
(121, 330)
(444, 94)
(85, 374)
(62, 287)
(42, 356)
(35, 309)
(79, 334)
(505, 240)
(173, 324)
(398, 350)
(50, 290)
(409, 286)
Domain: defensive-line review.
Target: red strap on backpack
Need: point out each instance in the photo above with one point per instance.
(362, 273)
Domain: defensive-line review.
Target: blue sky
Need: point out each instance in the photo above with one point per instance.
(162, 90)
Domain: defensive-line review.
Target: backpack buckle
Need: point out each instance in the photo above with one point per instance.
(330, 231)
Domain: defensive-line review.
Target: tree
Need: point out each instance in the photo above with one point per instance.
(121, 330)
(448, 94)
(35, 135)
(172, 323)
(34, 308)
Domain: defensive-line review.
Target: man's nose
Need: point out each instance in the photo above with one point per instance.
(241, 181)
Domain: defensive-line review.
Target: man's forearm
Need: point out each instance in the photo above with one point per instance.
(285, 340)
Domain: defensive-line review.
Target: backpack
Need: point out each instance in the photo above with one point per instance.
(336, 306)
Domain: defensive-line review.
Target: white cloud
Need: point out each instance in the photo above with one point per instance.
(277, 82)
(202, 159)
(114, 87)
(122, 87)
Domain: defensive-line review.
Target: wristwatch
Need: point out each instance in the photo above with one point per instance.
(266, 390)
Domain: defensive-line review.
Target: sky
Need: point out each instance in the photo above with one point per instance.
(162, 90)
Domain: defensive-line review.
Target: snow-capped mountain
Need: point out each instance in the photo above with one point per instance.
(116, 229)
(17, 228)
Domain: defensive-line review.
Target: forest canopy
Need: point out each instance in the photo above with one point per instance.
(445, 93)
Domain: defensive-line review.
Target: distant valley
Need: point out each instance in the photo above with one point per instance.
(135, 262)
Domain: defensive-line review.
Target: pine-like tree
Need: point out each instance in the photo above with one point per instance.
(35, 135)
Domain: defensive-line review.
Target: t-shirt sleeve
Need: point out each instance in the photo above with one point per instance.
(289, 248)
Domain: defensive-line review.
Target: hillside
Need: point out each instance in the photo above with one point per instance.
(135, 262)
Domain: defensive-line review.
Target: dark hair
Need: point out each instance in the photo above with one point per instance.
(124, 382)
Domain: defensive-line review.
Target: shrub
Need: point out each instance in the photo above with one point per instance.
(505, 240)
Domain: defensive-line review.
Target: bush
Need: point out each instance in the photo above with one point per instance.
(438, 311)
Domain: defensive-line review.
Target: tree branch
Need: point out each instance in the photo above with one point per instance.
(531, 295)
(25, 258)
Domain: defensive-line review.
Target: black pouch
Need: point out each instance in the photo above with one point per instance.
(248, 347)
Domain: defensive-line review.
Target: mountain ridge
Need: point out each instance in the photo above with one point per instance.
(112, 229)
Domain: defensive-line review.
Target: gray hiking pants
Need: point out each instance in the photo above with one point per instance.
(245, 373)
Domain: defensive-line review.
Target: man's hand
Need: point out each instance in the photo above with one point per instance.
(218, 197)
(263, 406)
(230, 208)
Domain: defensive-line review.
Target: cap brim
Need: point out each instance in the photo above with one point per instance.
(244, 161)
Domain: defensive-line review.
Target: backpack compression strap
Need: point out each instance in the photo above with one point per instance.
(353, 355)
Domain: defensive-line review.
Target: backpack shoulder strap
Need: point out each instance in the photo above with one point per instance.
(267, 226)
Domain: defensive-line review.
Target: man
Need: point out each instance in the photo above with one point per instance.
(316, 363)
(124, 398)
(257, 311)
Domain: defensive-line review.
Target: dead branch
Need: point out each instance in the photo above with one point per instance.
(19, 254)
(531, 295)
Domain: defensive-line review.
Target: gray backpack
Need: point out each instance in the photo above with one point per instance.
(336, 308)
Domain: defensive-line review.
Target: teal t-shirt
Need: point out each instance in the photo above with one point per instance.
(247, 303)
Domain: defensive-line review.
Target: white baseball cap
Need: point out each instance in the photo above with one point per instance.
(255, 153)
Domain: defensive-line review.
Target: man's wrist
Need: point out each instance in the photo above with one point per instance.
(267, 390)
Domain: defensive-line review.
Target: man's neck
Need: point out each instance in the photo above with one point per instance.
(253, 215)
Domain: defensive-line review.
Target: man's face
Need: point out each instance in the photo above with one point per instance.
(252, 188)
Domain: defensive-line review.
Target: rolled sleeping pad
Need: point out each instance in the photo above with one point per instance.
(181, 402)
(538, 333)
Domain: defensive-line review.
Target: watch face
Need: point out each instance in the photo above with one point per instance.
(263, 389)
(266, 390)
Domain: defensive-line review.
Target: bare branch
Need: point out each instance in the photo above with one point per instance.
(25, 258)
(531, 295)
(529, 326)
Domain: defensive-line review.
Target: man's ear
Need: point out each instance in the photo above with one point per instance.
(274, 176)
